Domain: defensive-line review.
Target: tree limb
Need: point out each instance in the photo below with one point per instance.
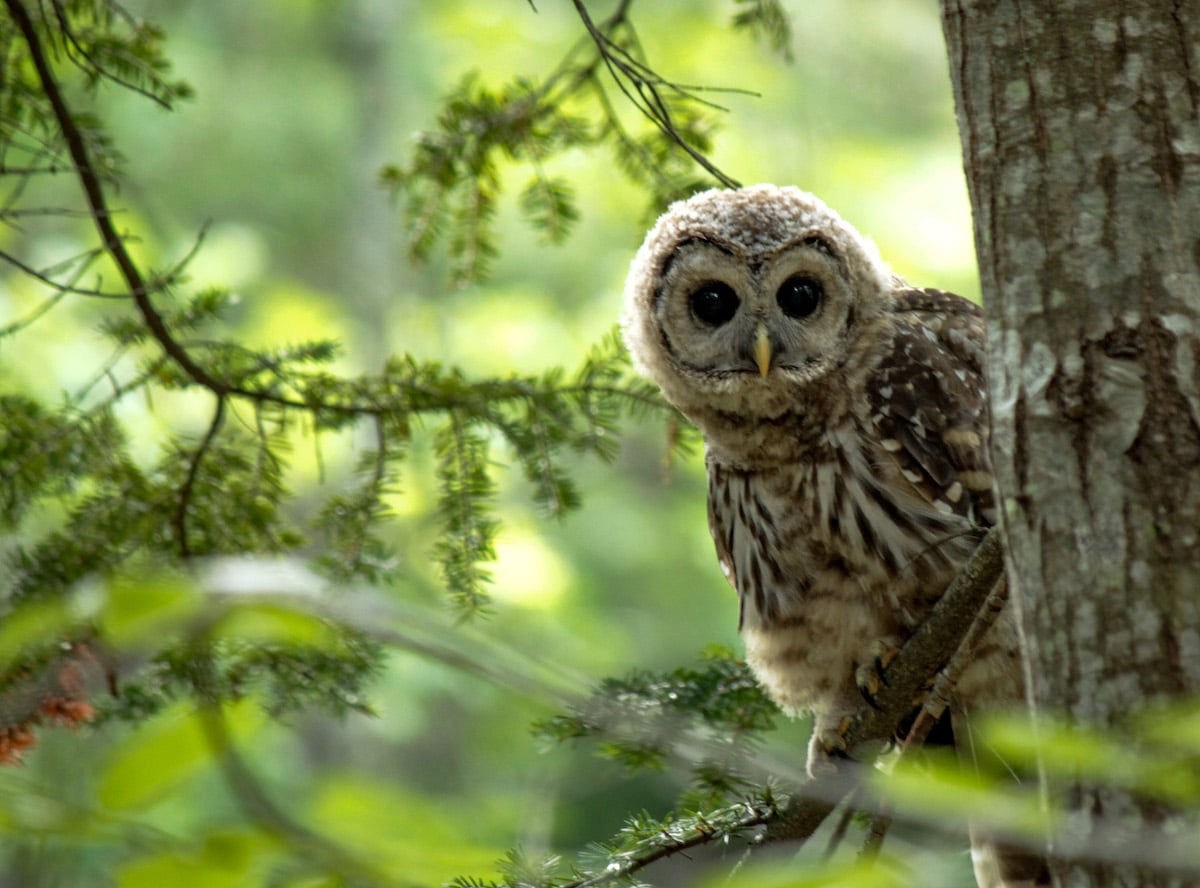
(189, 483)
(101, 215)
(929, 650)
(943, 642)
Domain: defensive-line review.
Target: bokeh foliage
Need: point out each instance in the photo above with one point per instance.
(257, 587)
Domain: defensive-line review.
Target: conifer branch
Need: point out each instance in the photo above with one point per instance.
(89, 178)
(189, 482)
(945, 641)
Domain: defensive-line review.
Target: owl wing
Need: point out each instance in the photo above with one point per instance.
(928, 402)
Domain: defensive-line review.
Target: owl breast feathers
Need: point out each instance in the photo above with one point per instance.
(845, 425)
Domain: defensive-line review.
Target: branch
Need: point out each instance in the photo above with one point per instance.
(139, 286)
(621, 871)
(649, 99)
(61, 289)
(946, 639)
(101, 215)
(937, 701)
(86, 62)
(931, 647)
(189, 483)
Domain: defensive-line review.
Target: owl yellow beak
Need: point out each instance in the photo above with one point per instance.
(762, 351)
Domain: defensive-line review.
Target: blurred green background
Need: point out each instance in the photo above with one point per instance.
(298, 105)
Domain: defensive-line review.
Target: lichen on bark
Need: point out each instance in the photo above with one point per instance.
(1080, 126)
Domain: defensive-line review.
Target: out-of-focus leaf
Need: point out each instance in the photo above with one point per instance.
(152, 762)
(143, 610)
(1115, 758)
(226, 860)
(32, 626)
(264, 622)
(883, 872)
(940, 790)
(419, 839)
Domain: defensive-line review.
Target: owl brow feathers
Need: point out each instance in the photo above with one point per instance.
(670, 260)
(809, 239)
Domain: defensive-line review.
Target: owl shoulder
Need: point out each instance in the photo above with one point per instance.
(928, 402)
(956, 322)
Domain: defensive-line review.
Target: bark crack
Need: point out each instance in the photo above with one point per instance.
(1185, 55)
(1041, 140)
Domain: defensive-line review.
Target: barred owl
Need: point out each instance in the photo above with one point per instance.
(845, 427)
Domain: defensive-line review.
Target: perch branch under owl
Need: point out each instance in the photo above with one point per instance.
(940, 642)
(946, 637)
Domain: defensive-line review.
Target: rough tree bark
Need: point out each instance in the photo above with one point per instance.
(1080, 125)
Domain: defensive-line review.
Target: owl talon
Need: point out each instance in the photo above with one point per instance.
(871, 677)
(834, 741)
(881, 670)
(869, 691)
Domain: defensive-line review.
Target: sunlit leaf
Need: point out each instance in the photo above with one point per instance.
(416, 836)
(941, 790)
(1168, 768)
(883, 872)
(273, 623)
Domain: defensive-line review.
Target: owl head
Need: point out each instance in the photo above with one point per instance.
(740, 301)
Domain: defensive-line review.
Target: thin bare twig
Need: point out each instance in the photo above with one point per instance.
(61, 288)
(632, 76)
(44, 306)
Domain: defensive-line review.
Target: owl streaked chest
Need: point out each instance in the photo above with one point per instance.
(840, 525)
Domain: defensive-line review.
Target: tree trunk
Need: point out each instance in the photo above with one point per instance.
(1080, 124)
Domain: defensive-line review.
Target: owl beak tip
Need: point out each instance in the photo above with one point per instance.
(762, 351)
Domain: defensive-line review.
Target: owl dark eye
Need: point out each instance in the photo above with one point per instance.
(799, 296)
(714, 304)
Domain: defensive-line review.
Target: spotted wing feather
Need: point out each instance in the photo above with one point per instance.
(928, 402)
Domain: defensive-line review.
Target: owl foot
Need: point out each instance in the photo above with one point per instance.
(871, 677)
(828, 746)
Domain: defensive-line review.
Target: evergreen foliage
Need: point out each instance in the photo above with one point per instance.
(451, 184)
(223, 492)
(99, 578)
(110, 611)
